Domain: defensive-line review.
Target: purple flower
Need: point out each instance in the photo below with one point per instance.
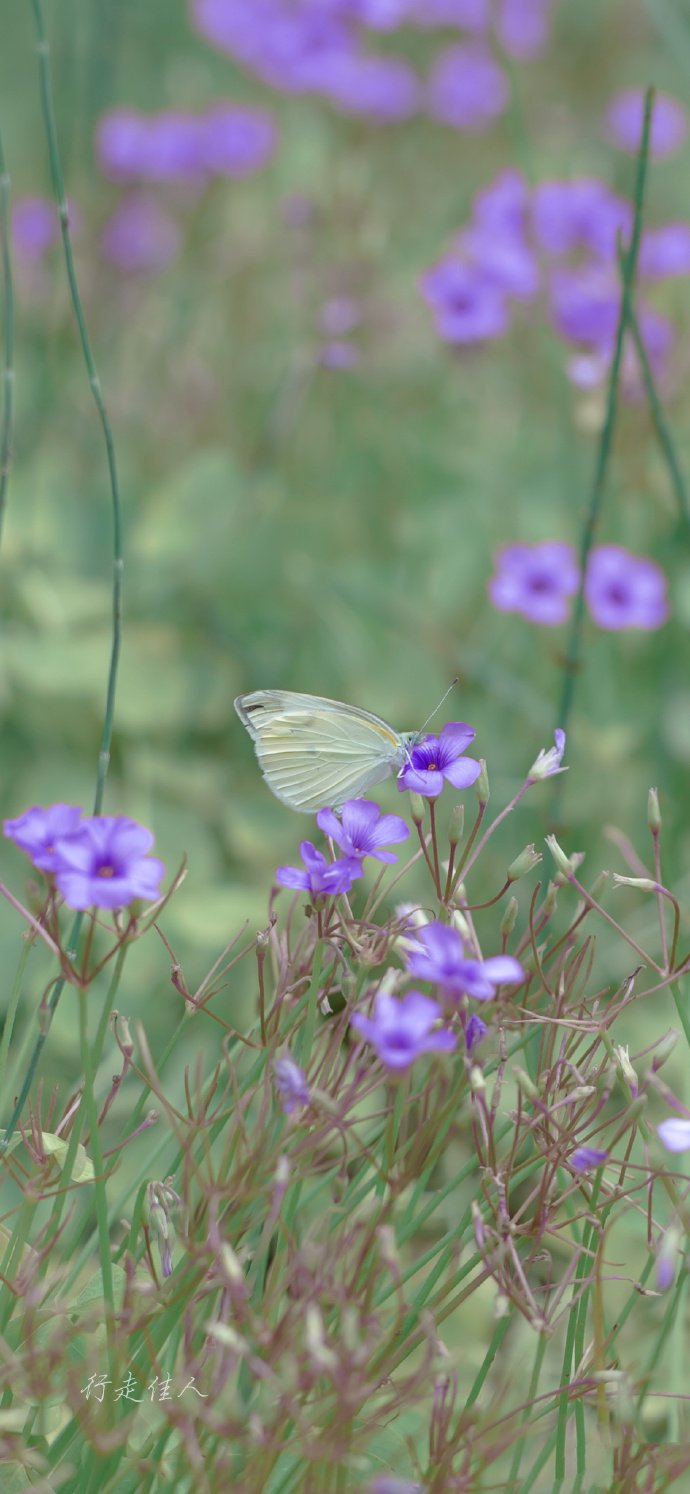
(339, 354)
(320, 878)
(121, 142)
(155, 147)
(340, 315)
(674, 1134)
(34, 227)
(104, 864)
(387, 1483)
(401, 1030)
(440, 957)
(475, 1030)
(624, 117)
(37, 830)
(586, 1157)
(579, 214)
(467, 307)
(549, 760)
(140, 237)
(505, 260)
(665, 251)
(436, 759)
(235, 141)
(502, 207)
(384, 89)
(523, 27)
(624, 590)
(585, 305)
(291, 1083)
(467, 89)
(536, 581)
(363, 829)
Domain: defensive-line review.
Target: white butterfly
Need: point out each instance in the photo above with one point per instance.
(315, 752)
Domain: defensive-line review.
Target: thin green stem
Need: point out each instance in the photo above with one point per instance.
(660, 423)
(574, 648)
(8, 337)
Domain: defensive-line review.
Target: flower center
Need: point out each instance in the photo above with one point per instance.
(618, 593)
(106, 870)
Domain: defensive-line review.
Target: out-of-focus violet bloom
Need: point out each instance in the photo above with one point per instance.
(467, 89)
(624, 590)
(37, 832)
(121, 143)
(438, 760)
(549, 760)
(624, 118)
(105, 864)
(387, 1483)
(339, 354)
(339, 316)
(585, 1158)
(156, 147)
(380, 15)
(140, 237)
(467, 307)
(34, 227)
(579, 214)
(319, 877)
(674, 1134)
(505, 262)
(475, 1030)
(402, 1030)
(470, 15)
(384, 89)
(585, 305)
(665, 251)
(363, 829)
(535, 580)
(235, 141)
(522, 27)
(440, 957)
(503, 206)
(291, 1083)
(669, 1256)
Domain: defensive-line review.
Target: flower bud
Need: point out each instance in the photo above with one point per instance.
(669, 1256)
(482, 785)
(664, 1048)
(653, 810)
(459, 922)
(477, 1082)
(509, 918)
(625, 1069)
(525, 862)
(456, 824)
(549, 760)
(417, 808)
(564, 863)
(525, 1083)
(645, 884)
(550, 899)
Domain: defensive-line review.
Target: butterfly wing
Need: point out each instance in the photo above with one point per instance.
(314, 751)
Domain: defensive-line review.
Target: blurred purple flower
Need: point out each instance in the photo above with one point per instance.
(522, 27)
(291, 1083)
(387, 1483)
(665, 251)
(384, 89)
(623, 120)
(37, 830)
(624, 590)
(471, 15)
(401, 1030)
(475, 1030)
(339, 315)
(440, 957)
(380, 15)
(34, 227)
(235, 141)
(121, 142)
(363, 829)
(467, 88)
(585, 305)
(339, 354)
(504, 261)
(140, 237)
(674, 1134)
(586, 1157)
(467, 307)
(105, 864)
(320, 878)
(436, 760)
(503, 206)
(536, 581)
(579, 214)
(155, 147)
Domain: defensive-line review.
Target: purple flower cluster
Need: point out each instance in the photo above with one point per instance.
(171, 147)
(538, 582)
(322, 47)
(96, 862)
(362, 830)
(440, 957)
(560, 239)
(402, 1030)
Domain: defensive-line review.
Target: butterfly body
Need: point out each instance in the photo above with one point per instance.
(315, 752)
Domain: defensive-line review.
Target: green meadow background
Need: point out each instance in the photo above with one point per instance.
(319, 530)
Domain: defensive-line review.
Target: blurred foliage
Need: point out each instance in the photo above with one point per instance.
(290, 524)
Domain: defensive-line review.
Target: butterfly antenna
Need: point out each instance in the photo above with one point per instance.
(451, 686)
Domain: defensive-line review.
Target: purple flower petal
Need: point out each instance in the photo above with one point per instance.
(674, 1134)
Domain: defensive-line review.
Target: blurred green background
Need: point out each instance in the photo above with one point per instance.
(319, 529)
